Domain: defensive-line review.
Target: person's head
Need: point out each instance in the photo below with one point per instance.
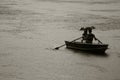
(90, 30)
(92, 27)
(82, 28)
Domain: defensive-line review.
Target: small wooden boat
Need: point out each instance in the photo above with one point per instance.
(94, 47)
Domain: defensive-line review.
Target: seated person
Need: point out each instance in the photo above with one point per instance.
(85, 34)
(90, 37)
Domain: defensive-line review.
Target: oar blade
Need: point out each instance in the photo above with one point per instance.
(56, 48)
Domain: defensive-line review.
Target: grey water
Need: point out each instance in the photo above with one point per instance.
(31, 29)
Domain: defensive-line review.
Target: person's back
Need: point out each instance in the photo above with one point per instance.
(84, 35)
(90, 37)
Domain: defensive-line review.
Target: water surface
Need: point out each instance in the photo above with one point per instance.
(31, 29)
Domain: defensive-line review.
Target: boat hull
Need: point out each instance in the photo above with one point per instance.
(87, 46)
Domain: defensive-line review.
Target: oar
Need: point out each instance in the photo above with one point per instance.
(99, 41)
(64, 44)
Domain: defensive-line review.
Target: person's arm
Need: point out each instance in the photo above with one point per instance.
(95, 37)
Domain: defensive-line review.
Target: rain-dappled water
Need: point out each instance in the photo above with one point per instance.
(31, 29)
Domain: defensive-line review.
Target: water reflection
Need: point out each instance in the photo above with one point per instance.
(86, 53)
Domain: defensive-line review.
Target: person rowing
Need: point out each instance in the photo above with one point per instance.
(85, 34)
(90, 37)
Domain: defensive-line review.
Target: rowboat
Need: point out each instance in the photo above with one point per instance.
(91, 47)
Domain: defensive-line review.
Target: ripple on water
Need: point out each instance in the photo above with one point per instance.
(99, 68)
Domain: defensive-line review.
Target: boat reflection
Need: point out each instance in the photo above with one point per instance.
(86, 53)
